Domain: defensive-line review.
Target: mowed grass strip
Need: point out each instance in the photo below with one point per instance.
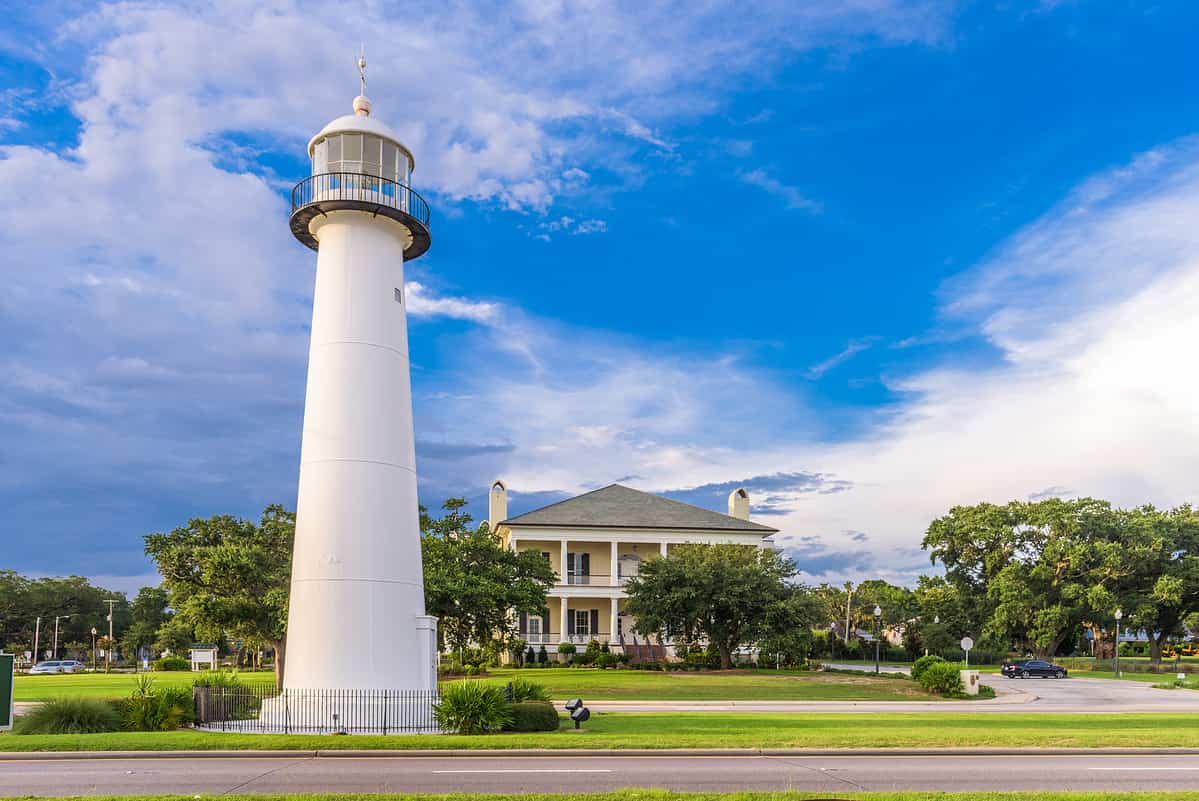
(664, 795)
(590, 683)
(703, 730)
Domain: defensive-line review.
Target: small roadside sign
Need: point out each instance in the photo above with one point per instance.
(967, 644)
(6, 691)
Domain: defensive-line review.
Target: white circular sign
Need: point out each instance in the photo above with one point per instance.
(967, 643)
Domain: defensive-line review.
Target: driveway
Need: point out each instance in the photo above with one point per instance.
(1071, 695)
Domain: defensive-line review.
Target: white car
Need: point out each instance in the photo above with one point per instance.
(65, 666)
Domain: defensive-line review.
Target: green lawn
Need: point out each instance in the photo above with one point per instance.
(102, 685)
(704, 730)
(665, 795)
(734, 685)
(562, 683)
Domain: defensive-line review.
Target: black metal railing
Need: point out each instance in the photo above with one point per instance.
(264, 709)
(355, 186)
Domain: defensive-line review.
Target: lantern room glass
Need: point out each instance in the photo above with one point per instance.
(366, 154)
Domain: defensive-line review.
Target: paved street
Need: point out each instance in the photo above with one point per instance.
(840, 775)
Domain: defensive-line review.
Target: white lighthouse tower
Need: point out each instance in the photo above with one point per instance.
(357, 613)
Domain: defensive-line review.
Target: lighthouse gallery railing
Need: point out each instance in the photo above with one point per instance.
(355, 186)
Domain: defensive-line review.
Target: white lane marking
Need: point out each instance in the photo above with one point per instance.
(529, 770)
(1153, 769)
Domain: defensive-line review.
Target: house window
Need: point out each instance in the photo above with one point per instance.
(534, 629)
(582, 622)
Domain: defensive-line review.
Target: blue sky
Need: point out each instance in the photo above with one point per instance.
(870, 259)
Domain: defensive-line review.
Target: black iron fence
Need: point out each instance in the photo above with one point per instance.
(267, 710)
(355, 186)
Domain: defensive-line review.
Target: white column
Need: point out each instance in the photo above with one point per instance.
(613, 579)
(562, 612)
(562, 561)
(612, 622)
(512, 542)
(662, 547)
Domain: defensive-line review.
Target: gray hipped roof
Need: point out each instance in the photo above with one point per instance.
(616, 506)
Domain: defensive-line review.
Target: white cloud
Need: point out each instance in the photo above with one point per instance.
(422, 303)
(1094, 393)
(848, 352)
(791, 195)
(154, 305)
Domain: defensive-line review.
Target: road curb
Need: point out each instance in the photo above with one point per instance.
(448, 753)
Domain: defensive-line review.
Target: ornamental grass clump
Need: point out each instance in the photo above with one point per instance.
(525, 690)
(70, 716)
(472, 707)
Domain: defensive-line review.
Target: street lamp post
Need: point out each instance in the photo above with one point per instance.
(878, 617)
(832, 642)
(1119, 615)
(93, 649)
(108, 650)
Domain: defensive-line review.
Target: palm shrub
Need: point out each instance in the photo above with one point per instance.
(525, 690)
(157, 709)
(472, 707)
(923, 663)
(534, 716)
(70, 716)
(942, 677)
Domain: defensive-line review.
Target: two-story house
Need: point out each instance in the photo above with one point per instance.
(597, 541)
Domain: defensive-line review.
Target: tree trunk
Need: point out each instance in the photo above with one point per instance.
(280, 647)
(1156, 642)
(726, 655)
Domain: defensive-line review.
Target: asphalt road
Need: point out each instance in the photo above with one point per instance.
(841, 776)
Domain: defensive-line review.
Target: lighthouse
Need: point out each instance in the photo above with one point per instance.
(356, 619)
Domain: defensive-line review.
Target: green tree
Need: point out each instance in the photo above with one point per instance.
(1158, 584)
(76, 601)
(473, 584)
(787, 636)
(943, 619)
(227, 575)
(175, 635)
(725, 594)
(1044, 568)
(149, 611)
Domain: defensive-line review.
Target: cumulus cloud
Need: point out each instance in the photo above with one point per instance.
(423, 303)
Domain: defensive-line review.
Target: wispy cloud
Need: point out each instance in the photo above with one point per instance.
(848, 352)
(792, 196)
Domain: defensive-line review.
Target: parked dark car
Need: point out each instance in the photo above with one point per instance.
(1032, 668)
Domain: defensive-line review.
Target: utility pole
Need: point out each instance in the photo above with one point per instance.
(56, 619)
(108, 650)
(37, 633)
(848, 601)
